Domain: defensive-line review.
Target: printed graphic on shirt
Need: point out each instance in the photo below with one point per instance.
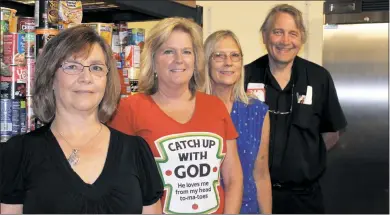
(190, 167)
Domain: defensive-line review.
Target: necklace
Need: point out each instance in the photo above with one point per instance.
(74, 157)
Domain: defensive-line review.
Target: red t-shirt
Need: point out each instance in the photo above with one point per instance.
(189, 156)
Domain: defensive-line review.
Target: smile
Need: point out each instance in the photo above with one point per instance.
(177, 70)
(83, 91)
(226, 72)
(284, 49)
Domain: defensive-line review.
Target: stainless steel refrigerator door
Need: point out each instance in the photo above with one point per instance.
(357, 177)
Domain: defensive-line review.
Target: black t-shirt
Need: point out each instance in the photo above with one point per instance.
(297, 149)
(35, 173)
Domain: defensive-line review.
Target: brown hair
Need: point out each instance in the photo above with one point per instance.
(284, 8)
(75, 40)
(157, 36)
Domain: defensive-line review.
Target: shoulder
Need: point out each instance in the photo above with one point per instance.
(259, 62)
(121, 138)
(315, 69)
(208, 99)
(256, 103)
(133, 99)
(135, 102)
(25, 146)
(32, 138)
(210, 105)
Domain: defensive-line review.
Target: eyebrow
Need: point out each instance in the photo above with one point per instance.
(227, 52)
(97, 62)
(91, 62)
(169, 47)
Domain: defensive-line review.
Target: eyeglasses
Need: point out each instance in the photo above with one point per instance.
(221, 56)
(276, 112)
(73, 68)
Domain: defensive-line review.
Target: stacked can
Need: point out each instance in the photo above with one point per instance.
(18, 66)
(133, 40)
(117, 50)
(119, 45)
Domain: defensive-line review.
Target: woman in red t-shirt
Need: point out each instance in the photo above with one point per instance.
(190, 133)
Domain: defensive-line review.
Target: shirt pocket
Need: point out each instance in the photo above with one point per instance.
(303, 116)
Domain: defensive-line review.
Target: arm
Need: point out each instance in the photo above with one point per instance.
(261, 171)
(330, 139)
(12, 170)
(11, 209)
(152, 209)
(232, 177)
(333, 121)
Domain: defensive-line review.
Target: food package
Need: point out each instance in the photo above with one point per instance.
(70, 12)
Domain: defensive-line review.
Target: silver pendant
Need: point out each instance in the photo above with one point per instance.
(74, 157)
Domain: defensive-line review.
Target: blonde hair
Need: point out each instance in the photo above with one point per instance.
(209, 46)
(157, 36)
(284, 8)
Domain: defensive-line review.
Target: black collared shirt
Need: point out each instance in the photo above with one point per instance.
(297, 150)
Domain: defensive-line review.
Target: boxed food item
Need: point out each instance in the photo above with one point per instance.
(70, 12)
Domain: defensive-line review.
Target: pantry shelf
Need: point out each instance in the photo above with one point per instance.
(120, 10)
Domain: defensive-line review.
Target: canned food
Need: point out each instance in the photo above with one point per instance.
(136, 37)
(46, 13)
(15, 116)
(30, 68)
(23, 117)
(132, 56)
(134, 86)
(53, 11)
(5, 120)
(4, 71)
(43, 35)
(30, 60)
(26, 25)
(14, 49)
(7, 14)
(13, 25)
(29, 44)
(123, 34)
(14, 86)
(4, 28)
(30, 122)
(103, 29)
(115, 42)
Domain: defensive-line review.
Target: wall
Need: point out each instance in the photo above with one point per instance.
(244, 18)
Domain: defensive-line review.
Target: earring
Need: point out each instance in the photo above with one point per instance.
(155, 75)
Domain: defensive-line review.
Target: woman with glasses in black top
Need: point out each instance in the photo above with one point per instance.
(76, 164)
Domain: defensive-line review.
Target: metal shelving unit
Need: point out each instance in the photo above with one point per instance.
(120, 10)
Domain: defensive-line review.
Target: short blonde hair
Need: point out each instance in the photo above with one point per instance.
(157, 36)
(209, 46)
(284, 8)
(76, 40)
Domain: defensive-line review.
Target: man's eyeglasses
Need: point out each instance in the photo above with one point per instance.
(222, 56)
(73, 68)
(276, 112)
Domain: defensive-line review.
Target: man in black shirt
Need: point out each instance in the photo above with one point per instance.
(304, 110)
